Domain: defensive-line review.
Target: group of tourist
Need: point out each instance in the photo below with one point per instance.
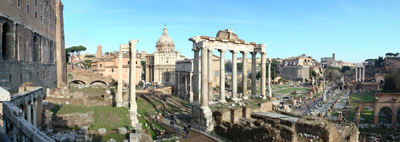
(186, 129)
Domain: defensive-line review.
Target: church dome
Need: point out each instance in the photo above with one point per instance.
(165, 42)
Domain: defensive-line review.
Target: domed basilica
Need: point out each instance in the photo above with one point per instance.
(160, 66)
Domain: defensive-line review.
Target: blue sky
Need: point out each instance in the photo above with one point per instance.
(353, 29)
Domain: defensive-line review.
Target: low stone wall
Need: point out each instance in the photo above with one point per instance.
(73, 119)
(234, 114)
(85, 102)
(268, 129)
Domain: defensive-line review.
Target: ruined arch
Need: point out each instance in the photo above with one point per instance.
(36, 48)
(99, 83)
(6, 42)
(76, 82)
(385, 115)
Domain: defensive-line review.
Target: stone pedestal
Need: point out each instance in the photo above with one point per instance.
(133, 117)
(203, 116)
(133, 137)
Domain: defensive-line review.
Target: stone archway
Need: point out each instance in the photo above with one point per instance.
(99, 83)
(385, 115)
(76, 82)
(6, 42)
(36, 48)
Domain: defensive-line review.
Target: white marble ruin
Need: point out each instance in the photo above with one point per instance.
(360, 76)
(131, 48)
(226, 41)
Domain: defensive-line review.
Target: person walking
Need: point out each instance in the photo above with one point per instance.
(185, 129)
(189, 127)
(187, 132)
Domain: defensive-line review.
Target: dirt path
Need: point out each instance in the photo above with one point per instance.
(196, 137)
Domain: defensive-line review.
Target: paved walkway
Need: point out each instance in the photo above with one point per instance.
(193, 135)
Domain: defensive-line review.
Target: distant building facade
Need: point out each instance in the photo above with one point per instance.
(160, 66)
(108, 66)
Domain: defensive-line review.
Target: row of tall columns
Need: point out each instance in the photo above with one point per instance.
(360, 76)
(207, 76)
(31, 112)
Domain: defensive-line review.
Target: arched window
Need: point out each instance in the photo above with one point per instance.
(112, 69)
(6, 41)
(36, 49)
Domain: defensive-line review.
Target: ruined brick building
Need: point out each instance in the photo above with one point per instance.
(32, 44)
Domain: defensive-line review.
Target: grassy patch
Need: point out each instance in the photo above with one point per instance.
(186, 118)
(89, 90)
(362, 98)
(290, 90)
(105, 116)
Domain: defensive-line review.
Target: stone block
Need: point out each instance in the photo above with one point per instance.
(138, 128)
(83, 130)
(122, 130)
(112, 140)
(102, 131)
(79, 95)
(134, 137)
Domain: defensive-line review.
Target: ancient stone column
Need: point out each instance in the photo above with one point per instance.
(244, 75)
(118, 98)
(196, 76)
(39, 111)
(176, 84)
(313, 80)
(29, 110)
(222, 76)
(132, 84)
(210, 75)
(204, 77)
(34, 113)
(253, 74)
(178, 90)
(360, 74)
(186, 86)
(363, 76)
(269, 80)
(263, 74)
(191, 87)
(356, 73)
(234, 75)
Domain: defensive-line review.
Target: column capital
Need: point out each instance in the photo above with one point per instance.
(234, 51)
(195, 49)
(253, 53)
(244, 52)
(262, 52)
(222, 50)
(211, 49)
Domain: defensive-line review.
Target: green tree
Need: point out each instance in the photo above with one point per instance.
(389, 54)
(140, 83)
(75, 51)
(273, 72)
(312, 73)
(239, 66)
(89, 56)
(334, 74)
(106, 53)
(390, 84)
(345, 68)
